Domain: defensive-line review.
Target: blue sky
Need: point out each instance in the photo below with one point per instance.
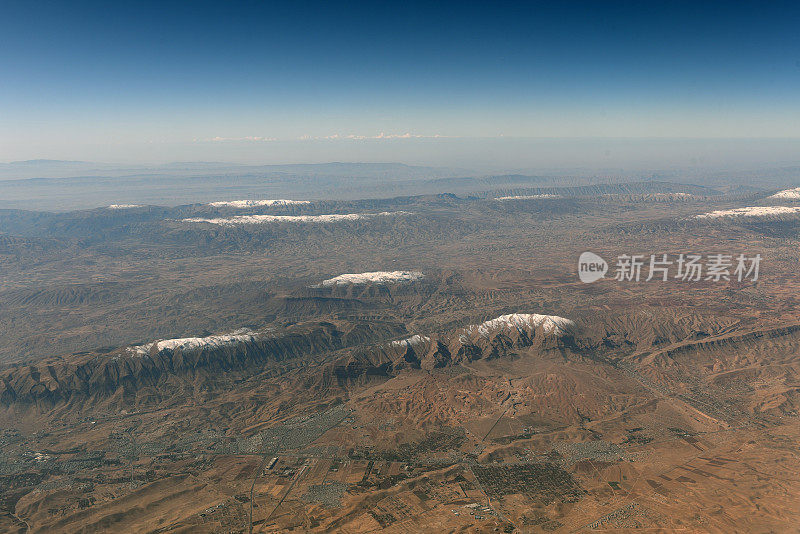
(135, 80)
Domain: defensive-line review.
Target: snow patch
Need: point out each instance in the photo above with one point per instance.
(550, 324)
(377, 277)
(256, 203)
(124, 206)
(787, 193)
(752, 211)
(262, 219)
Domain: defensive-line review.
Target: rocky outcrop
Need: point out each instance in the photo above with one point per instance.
(490, 339)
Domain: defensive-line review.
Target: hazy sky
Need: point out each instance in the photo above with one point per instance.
(160, 81)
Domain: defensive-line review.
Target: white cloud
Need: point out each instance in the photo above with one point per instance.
(382, 135)
(251, 138)
(332, 137)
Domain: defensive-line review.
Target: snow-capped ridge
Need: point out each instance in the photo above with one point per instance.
(256, 203)
(787, 193)
(751, 211)
(124, 206)
(528, 197)
(549, 324)
(416, 339)
(262, 219)
(191, 343)
(377, 277)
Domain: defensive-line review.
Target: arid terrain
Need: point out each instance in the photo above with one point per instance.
(208, 368)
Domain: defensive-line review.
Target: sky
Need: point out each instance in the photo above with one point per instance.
(318, 81)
